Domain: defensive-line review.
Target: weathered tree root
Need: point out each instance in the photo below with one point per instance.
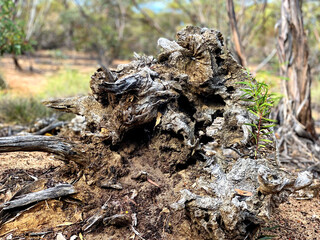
(186, 105)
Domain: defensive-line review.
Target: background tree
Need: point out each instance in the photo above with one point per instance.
(235, 34)
(293, 55)
(12, 37)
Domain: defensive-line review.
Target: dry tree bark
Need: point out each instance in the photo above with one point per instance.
(293, 55)
(180, 116)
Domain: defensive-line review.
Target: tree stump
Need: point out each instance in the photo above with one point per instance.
(177, 121)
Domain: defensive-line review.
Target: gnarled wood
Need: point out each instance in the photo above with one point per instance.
(180, 118)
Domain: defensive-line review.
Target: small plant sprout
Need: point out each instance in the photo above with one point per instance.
(261, 103)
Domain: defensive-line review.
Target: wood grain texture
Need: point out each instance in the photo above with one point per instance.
(55, 145)
(54, 192)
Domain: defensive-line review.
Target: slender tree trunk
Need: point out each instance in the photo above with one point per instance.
(31, 21)
(16, 63)
(235, 33)
(293, 55)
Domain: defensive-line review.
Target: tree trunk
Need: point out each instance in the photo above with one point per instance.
(293, 55)
(16, 63)
(235, 33)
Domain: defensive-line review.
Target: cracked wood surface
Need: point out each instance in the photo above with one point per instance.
(58, 146)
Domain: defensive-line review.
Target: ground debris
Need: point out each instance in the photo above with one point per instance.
(111, 184)
(119, 220)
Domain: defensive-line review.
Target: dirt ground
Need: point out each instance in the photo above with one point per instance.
(296, 219)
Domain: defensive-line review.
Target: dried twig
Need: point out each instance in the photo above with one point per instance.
(152, 182)
(137, 233)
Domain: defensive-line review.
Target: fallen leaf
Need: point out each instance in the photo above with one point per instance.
(243, 192)
(74, 237)
(60, 236)
(65, 224)
(80, 236)
(159, 115)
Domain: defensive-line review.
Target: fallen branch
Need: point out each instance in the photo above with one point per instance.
(24, 200)
(93, 221)
(49, 144)
(152, 182)
(49, 128)
(137, 233)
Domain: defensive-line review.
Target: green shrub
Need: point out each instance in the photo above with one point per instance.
(257, 93)
(12, 37)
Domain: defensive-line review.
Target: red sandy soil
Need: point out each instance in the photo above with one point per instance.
(44, 65)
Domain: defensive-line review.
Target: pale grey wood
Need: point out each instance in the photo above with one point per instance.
(49, 144)
(49, 128)
(54, 192)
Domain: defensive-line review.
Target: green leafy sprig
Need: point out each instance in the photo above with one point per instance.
(257, 93)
